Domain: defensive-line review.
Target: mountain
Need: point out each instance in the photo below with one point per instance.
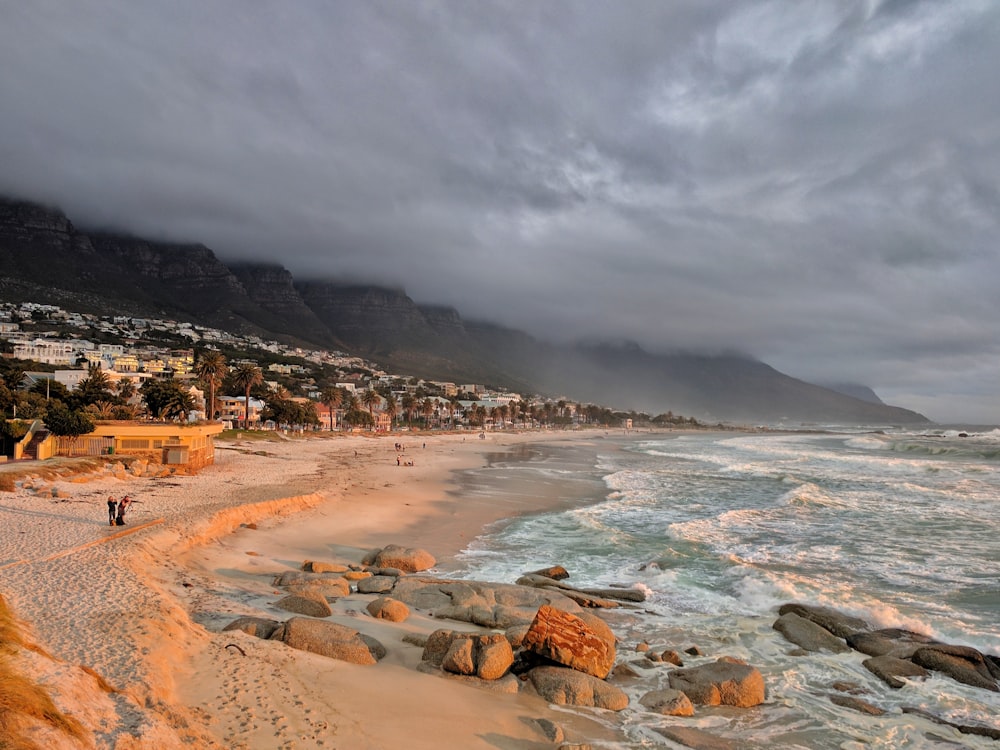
(44, 258)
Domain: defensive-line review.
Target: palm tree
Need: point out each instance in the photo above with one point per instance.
(427, 409)
(211, 369)
(370, 398)
(332, 398)
(409, 406)
(452, 406)
(391, 407)
(246, 376)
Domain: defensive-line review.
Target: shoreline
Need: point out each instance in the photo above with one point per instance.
(138, 596)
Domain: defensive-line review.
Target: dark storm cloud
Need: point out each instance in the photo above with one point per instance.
(813, 183)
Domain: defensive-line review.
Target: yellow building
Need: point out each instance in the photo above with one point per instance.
(192, 445)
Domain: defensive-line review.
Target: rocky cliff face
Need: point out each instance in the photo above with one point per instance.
(41, 246)
(272, 288)
(369, 317)
(43, 258)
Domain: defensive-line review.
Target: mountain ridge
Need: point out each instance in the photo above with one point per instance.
(113, 273)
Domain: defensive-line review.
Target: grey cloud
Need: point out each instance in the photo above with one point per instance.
(815, 184)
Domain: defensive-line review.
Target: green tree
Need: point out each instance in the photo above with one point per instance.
(370, 398)
(93, 388)
(246, 376)
(211, 369)
(332, 398)
(166, 398)
(391, 407)
(65, 422)
(409, 404)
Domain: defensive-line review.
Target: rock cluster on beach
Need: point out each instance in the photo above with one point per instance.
(543, 636)
(895, 656)
(539, 635)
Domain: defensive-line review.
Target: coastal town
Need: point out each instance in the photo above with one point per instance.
(128, 368)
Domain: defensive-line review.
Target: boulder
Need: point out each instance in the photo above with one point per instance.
(437, 645)
(808, 635)
(838, 623)
(506, 685)
(569, 687)
(493, 656)
(385, 608)
(261, 627)
(725, 682)
(487, 656)
(313, 606)
(299, 578)
(330, 639)
(497, 606)
(406, 559)
(376, 585)
(588, 597)
(893, 641)
(568, 639)
(555, 572)
(668, 703)
(890, 669)
(460, 657)
(325, 588)
(961, 663)
(318, 566)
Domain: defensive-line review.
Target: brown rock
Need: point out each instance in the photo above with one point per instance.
(385, 608)
(376, 585)
(406, 559)
(317, 566)
(569, 687)
(556, 573)
(493, 655)
(437, 646)
(838, 623)
(261, 627)
(668, 703)
(726, 682)
(330, 639)
(889, 669)
(963, 664)
(305, 605)
(808, 634)
(857, 704)
(893, 641)
(460, 658)
(570, 640)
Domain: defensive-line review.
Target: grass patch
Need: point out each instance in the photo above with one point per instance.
(20, 698)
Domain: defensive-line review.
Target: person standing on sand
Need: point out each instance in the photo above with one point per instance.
(122, 507)
(112, 510)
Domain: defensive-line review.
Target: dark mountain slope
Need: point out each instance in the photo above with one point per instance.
(44, 258)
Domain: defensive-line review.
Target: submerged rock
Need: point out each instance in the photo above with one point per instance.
(890, 669)
(808, 635)
(668, 703)
(838, 623)
(961, 663)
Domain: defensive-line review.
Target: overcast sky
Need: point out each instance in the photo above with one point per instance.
(815, 183)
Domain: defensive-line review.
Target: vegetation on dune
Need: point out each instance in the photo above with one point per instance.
(22, 700)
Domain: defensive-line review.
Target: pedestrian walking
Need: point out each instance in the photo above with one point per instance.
(112, 510)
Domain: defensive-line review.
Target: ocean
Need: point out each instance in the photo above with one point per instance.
(720, 528)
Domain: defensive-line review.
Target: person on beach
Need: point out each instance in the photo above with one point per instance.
(122, 507)
(112, 510)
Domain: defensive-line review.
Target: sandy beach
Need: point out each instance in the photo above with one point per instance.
(141, 606)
